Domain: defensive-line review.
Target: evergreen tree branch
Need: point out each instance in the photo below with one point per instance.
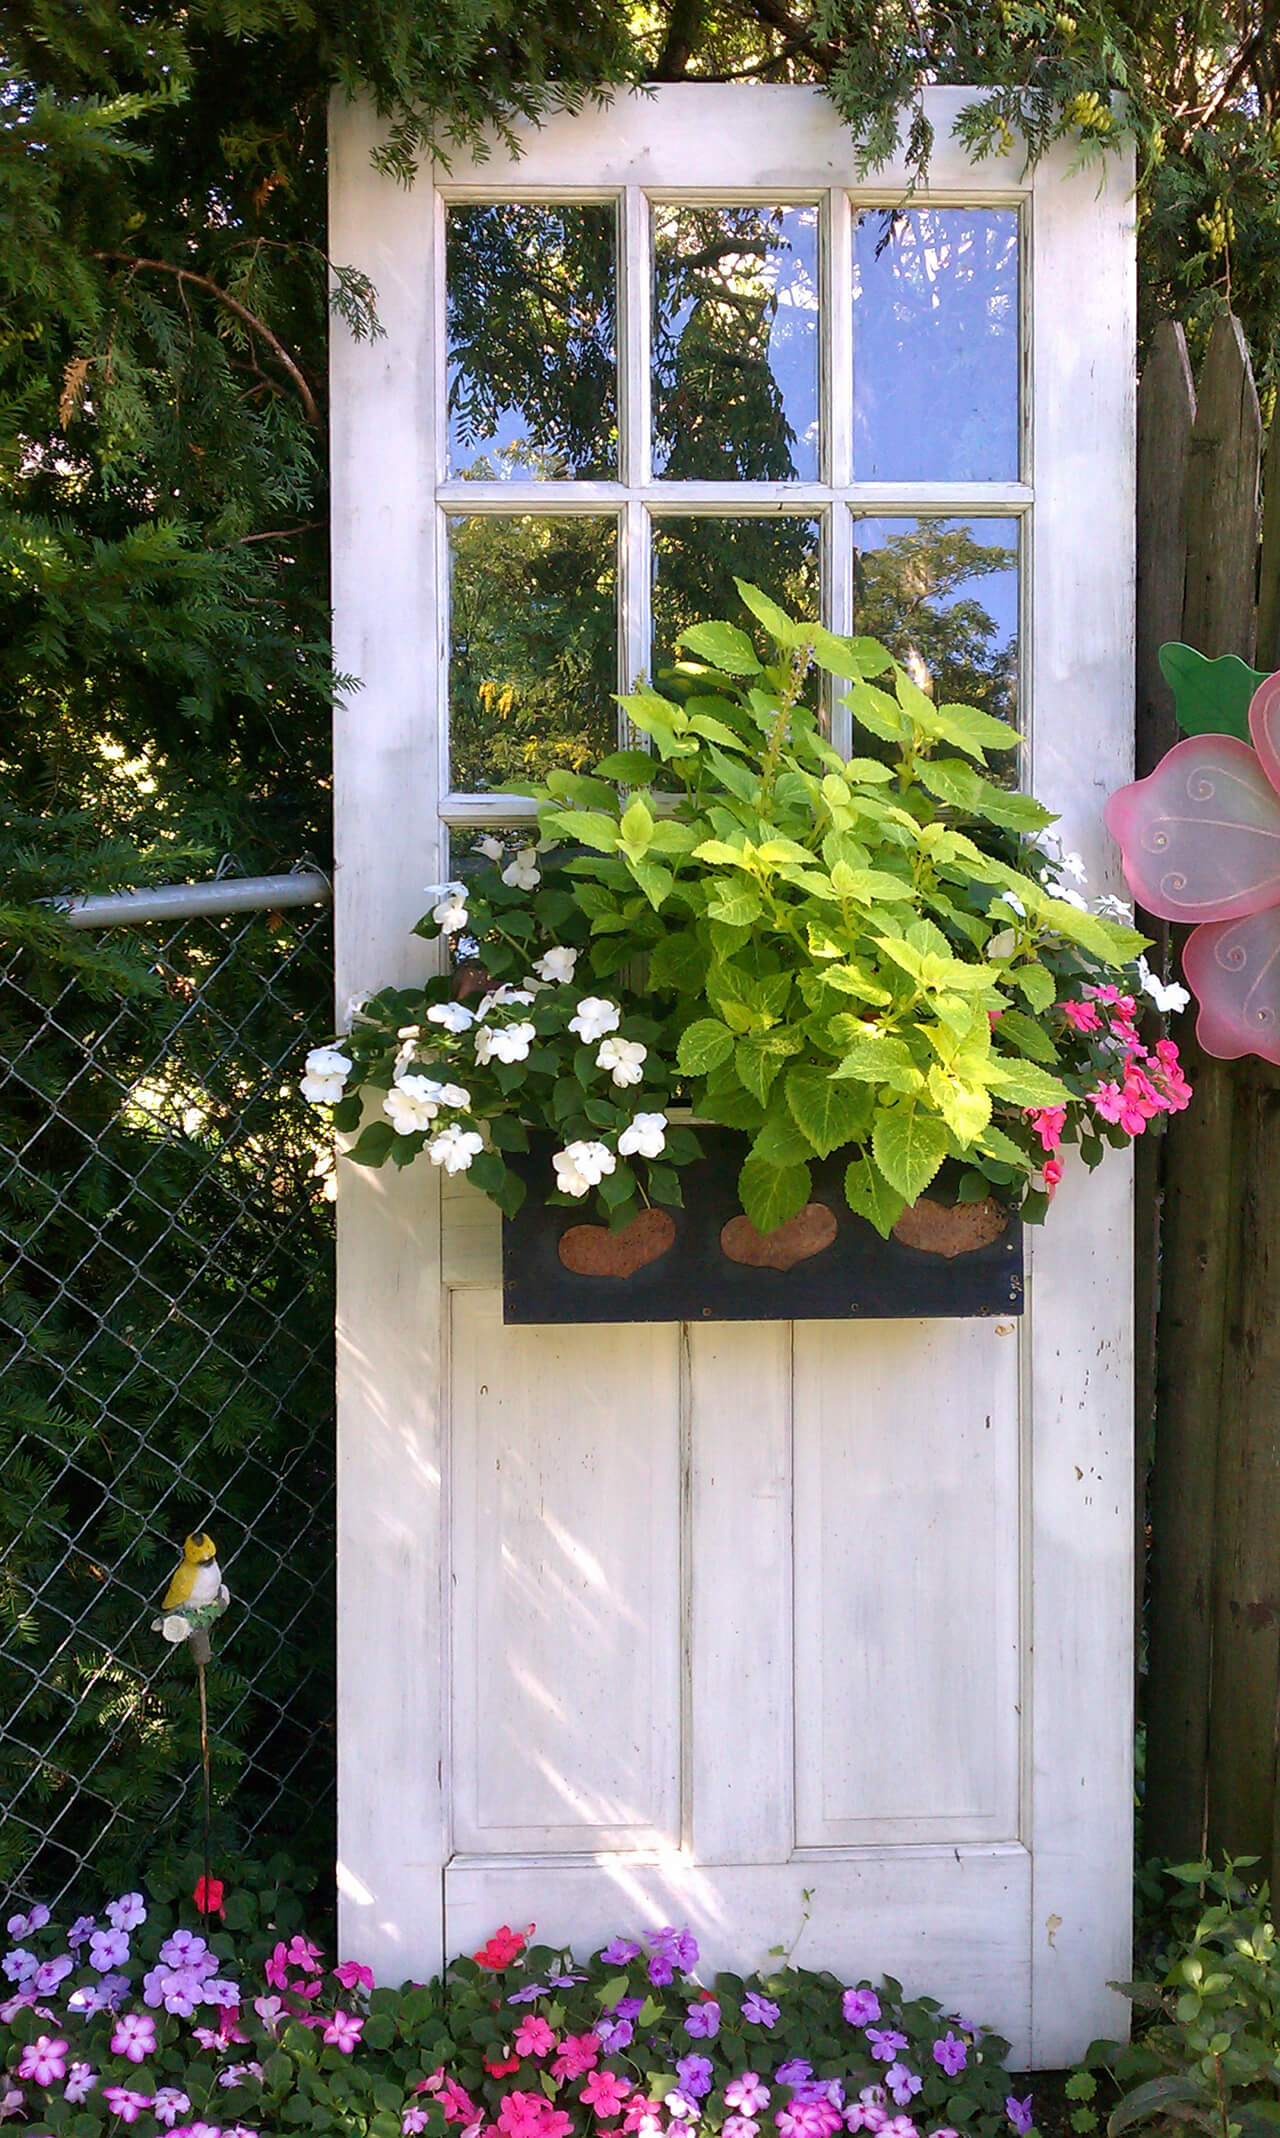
(136, 264)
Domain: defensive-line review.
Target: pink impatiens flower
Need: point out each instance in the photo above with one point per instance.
(353, 1976)
(748, 2093)
(577, 2054)
(605, 2093)
(1048, 1123)
(344, 2031)
(125, 2103)
(44, 2060)
(533, 2037)
(1082, 1015)
(134, 2037)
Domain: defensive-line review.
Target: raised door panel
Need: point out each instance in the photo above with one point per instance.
(907, 1582)
(564, 1491)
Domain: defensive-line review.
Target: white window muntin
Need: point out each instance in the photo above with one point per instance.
(636, 501)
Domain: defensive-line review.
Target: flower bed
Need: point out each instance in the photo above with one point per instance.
(232, 2024)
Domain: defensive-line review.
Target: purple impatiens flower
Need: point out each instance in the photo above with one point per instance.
(795, 2072)
(1020, 2114)
(902, 2083)
(107, 1949)
(951, 2054)
(703, 2020)
(860, 2007)
(885, 2043)
(759, 2011)
(694, 2074)
(127, 1912)
(619, 1951)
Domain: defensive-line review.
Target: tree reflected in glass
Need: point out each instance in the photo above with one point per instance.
(533, 659)
(935, 345)
(945, 593)
(531, 311)
(735, 344)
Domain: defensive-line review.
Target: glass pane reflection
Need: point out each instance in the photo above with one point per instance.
(533, 659)
(695, 563)
(735, 344)
(935, 345)
(530, 298)
(944, 592)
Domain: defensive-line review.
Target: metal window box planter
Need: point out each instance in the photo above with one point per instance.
(705, 1263)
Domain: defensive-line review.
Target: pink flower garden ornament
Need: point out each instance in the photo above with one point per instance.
(1200, 839)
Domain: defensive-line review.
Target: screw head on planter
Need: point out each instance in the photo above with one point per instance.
(1200, 842)
(196, 1597)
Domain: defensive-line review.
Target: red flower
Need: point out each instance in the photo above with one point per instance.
(500, 2071)
(503, 1947)
(208, 1896)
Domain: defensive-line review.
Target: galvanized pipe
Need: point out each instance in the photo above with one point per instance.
(184, 901)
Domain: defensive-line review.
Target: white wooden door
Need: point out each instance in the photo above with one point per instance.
(814, 1632)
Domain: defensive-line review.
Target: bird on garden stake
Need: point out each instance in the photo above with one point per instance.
(195, 1597)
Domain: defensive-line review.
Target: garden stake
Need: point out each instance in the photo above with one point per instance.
(195, 1597)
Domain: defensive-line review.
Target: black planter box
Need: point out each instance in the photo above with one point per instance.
(857, 1276)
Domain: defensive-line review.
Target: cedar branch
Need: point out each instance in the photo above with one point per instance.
(136, 264)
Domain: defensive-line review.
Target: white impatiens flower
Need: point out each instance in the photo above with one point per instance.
(523, 873)
(1014, 903)
(503, 998)
(1068, 897)
(1167, 995)
(454, 1016)
(594, 1016)
(580, 1166)
(505, 1042)
(454, 1095)
(1073, 865)
(454, 1148)
(1002, 945)
(1112, 908)
(556, 964)
(449, 912)
(412, 1104)
(492, 849)
(622, 1058)
(645, 1136)
(326, 1076)
(354, 1011)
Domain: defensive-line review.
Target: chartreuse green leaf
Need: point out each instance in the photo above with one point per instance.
(1028, 1037)
(780, 1143)
(909, 1145)
(586, 827)
(630, 768)
(995, 1144)
(678, 961)
(1024, 1083)
(882, 1061)
(775, 620)
(869, 1195)
(723, 645)
(1035, 983)
(1209, 697)
(827, 1112)
(773, 1194)
(636, 828)
(736, 904)
(757, 1061)
(964, 1106)
(972, 731)
(703, 1045)
(848, 657)
(875, 711)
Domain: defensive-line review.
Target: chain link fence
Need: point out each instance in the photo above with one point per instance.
(166, 1340)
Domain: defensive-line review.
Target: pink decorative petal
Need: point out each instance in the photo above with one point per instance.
(1201, 836)
(1264, 726)
(1234, 968)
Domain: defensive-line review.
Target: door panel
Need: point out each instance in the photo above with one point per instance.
(565, 1583)
(906, 1527)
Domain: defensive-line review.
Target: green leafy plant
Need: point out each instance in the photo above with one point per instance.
(875, 955)
(1207, 2049)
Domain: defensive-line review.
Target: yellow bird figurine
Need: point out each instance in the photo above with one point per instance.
(196, 1596)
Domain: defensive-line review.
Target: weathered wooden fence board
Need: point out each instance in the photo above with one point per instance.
(1214, 1627)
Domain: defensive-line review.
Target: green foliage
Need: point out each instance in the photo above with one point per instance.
(838, 950)
(1206, 2050)
(1210, 697)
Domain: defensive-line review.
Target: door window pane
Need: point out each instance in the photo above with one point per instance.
(695, 563)
(935, 345)
(735, 344)
(533, 662)
(530, 298)
(944, 592)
